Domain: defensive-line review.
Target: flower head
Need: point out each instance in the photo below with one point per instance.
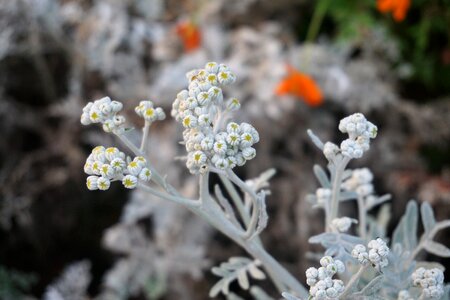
(190, 35)
(300, 85)
(200, 109)
(398, 8)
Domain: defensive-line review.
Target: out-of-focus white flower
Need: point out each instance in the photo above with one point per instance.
(343, 224)
(322, 286)
(129, 181)
(104, 111)
(431, 281)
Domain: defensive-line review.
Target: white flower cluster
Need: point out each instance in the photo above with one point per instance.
(377, 255)
(110, 164)
(404, 295)
(431, 282)
(104, 111)
(360, 182)
(343, 224)
(200, 109)
(323, 195)
(359, 131)
(322, 286)
(146, 110)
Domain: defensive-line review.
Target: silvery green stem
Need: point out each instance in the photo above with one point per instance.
(145, 133)
(428, 236)
(210, 211)
(362, 217)
(156, 177)
(255, 212)
(237, 200)
(340, 165)
(354, 280)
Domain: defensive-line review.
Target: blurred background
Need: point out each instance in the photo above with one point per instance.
(299, 63)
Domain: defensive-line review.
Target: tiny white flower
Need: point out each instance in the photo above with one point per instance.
(85, 119)
(119, 120)
(129, 181)
(220, 147)
(103, 183)
(233, 139)
(189, 121)
(118, 164)
(342, 224)
(108, 125)
(240, 160)
(91, 183)
(216, 94)
(233, 127)
(191, 102)
(330, 150)
(199, 157)
(160, 114)
(203, 98)
(207, 143)
(140, 160)
(233, 104)
(106, 171)
(211, 78)
(111, 153)
(116, 106)
(134, 168)
(95, 116)
(88, 168)
(204, 120)
(326, 260)
(249, 153)
(221, 163)
(246, 140)
(212, 67)
(96, 167)
(145, 174)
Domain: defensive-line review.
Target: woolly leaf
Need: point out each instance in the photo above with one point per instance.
(215, 290)
(255, 272)
(373, 286)
(263, 217)
(288, 296)
(406, 231)
(233, 296)
(322, 176)
(236, 268)
(243, 279)
(427, 215)
(347, 195)
(437, 248)
(315, 139)
(259, 294)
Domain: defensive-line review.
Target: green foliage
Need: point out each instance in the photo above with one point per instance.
(423, 39)
(14, 284)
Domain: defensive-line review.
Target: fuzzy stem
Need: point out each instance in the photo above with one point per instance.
(354, 280)
(214, 215)
(145, 133)
(337, 180)
(255, 211)
(362, 217)
(176, 199)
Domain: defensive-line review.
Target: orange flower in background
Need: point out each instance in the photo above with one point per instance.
(300, 85)
(190, 35)
(398, 8)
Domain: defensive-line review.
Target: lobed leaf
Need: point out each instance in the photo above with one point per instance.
(322, 176)
(427, 215)
(437, 248)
